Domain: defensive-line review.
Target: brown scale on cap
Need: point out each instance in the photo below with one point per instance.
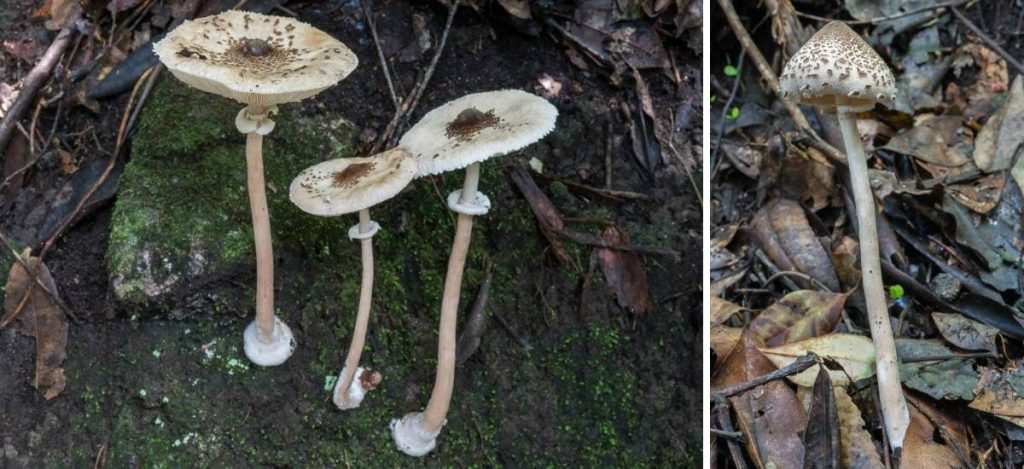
(837, 68)
(469, 122)
(349, 176)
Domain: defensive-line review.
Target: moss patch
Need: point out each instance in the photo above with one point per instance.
(182, 214)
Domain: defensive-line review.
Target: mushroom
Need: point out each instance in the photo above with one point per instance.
(347, 185)
(461, 134)
(260, 61)
(841, 74)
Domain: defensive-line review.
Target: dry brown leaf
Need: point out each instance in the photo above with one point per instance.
(856, 447)
(845, 256)
(722, 310)
(997, 395)
(920, 450)
(797, 316)
(61, 12)
(624, 273)
(518, 8)
(42, 319)
(784, 234)
(991, 79)
(724, 339)
(934, 140)
(855, 353)
(966, 333)
(770, 416)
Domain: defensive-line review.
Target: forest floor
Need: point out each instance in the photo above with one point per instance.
(563, 373)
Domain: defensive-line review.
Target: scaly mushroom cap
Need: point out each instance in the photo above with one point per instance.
(253, 58)
(476, 127)
(837, 68)
(346, 185)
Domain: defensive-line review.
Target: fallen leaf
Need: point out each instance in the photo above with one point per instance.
(1002, 135)
(999, 393)
(797, 316)
(935, 141)
(856, 446)
(62, 12)
(518, 8)
(722, 310)
(624, 273)
(855, 353)
(951, 428)
(770, 416)
(966, 333)
(723, 339)
(26, 50)
(821, 434)
(117, 6)
(845, 257)
(784, 234)
(920, 450)
(991, 79)
(40, 318)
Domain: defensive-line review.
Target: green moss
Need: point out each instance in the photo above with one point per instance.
(182, 212)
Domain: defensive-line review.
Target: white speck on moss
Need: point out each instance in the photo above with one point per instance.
(142, 393)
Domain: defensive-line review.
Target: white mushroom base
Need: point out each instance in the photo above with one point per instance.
(356, 391)
(271, 353)
(410, 436)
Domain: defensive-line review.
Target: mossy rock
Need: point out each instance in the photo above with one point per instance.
(182, 215)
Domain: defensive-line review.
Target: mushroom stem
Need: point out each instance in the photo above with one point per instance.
(355, 349)
(893, 403)
(260, 230)
(437, 409)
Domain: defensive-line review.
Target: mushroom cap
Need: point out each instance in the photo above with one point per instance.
(346, 185)
(253, 58)
(476, 127)
(837, 68)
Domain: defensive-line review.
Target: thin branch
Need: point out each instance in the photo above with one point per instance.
(991, 43)
(380, 54)
(800, 364)
(881, 19)
(33, 82)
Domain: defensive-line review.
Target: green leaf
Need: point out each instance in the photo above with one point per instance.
(896, 291)
(733, 113)
(730, 71)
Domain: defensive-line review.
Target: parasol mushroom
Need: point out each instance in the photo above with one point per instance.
(461, 134)
(841, 74)
(347, 185)
(260, 61)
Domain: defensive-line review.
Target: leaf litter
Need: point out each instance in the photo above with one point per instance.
(946, 168)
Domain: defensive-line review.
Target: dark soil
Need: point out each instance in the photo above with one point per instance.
(634, 381)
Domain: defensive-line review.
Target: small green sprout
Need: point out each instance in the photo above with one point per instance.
(896, 291)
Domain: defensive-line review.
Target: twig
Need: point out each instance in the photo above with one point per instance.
(608, 155)
(760, 62)
(38, 281)
(519, 339)
(725, 422)
(152, 72)
(992, 44)
(33, 81)
(882, 19)
(793, 273)
(380, 54)
(391, 132)
(800, 364)
(730, 435)
(725, 112)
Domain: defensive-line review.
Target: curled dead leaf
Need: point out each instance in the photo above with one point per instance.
(784, 234)
(40, 318)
